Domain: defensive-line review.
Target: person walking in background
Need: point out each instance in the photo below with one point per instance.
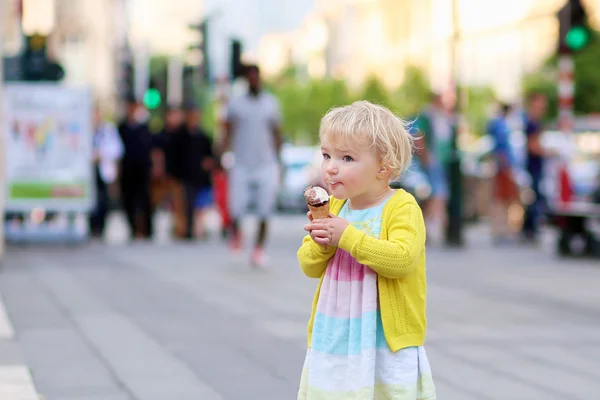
(200, 164)
(107, 151)
(136, 167)
(169, 169)
(253, 133)
(505, 189)
(219, 178)
(435, 127)
(368, 324)
(537, 105)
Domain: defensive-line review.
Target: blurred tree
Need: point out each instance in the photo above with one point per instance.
(208, 115)
(587, 79)
(413, 94)
(323, 94)
(292, 100)
(303, 105)
(375, 92)
(287, 75)
(158, 64)
(543, 81)
(477, 109)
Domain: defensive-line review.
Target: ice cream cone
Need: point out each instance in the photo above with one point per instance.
(317, 200)
(319, 212)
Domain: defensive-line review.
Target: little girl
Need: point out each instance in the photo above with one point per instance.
(367, 328)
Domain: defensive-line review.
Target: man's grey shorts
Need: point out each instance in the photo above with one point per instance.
(261, 182)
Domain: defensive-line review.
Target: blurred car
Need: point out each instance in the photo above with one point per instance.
(415, 182)
(300, 168)
(581, 152)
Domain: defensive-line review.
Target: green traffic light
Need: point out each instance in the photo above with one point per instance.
(152, 99)
(577, 38)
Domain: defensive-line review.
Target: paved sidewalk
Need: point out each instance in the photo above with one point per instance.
(186, 321)
(15, 379)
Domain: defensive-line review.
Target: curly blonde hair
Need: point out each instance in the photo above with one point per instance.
(364, 124)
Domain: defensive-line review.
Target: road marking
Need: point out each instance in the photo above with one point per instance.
(6, 329)
(16, 383)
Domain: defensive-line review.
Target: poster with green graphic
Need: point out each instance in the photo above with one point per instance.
(47, 131)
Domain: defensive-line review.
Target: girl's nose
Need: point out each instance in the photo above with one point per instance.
(332, 169)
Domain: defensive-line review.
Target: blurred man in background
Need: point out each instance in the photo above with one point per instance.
(436, 127)
(169, 169)
(254, 136)
(537, 105)
(505, 189)
(107, 151)
(136, 167)
(200, 162)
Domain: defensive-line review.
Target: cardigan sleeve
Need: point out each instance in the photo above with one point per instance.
(313, 257)
(396, 256)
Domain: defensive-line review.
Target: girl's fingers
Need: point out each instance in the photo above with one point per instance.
(321, 240)
(309, 215)
(319, 234)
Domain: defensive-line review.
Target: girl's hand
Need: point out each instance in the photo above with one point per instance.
(310, 218)
(328, 231)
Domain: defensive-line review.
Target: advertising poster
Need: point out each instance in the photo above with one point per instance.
(48, 139)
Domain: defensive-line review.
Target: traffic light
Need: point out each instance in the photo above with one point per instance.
(192, 92)
(125, 74)
(152, 97)
(574, 30)
(125, 81)
(35, 64)
(201, 49)
(236, 67)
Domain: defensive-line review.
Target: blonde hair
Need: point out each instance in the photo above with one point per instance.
(370, 125)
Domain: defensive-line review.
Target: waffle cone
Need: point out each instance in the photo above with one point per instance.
(319, 212)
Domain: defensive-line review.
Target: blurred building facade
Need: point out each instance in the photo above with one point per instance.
(10, 27)
(93, 39)
(162, 26)
(499, 41)
(88, 39)
(84, 36)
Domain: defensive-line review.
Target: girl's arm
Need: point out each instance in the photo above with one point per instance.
(395, 257)
(314, 257)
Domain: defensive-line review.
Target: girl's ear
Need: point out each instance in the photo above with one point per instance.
(384, 172)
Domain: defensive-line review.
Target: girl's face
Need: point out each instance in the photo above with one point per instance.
(353, 172)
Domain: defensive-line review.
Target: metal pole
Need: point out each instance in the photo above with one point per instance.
(454, 235)
(123, 56)
(566, 80)
(566, 97)
(175, 82)
(142, 71)
(2, 150)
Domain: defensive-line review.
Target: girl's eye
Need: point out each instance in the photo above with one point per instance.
(326, 156)
(348, 158)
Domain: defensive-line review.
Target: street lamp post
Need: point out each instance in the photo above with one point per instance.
(454, 236)
(2, 151)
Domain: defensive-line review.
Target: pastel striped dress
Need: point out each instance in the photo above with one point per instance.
(349, 358)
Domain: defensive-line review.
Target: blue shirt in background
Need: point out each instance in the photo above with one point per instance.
(499, 130)
(535, 163)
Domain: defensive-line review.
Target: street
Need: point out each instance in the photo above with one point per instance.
(187, 321)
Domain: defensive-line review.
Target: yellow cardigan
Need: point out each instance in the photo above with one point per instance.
(398, 258)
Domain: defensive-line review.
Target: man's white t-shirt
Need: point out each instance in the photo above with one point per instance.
(252, 119)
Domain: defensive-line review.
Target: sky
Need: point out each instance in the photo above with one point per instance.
(249, 20)
(163, 24)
